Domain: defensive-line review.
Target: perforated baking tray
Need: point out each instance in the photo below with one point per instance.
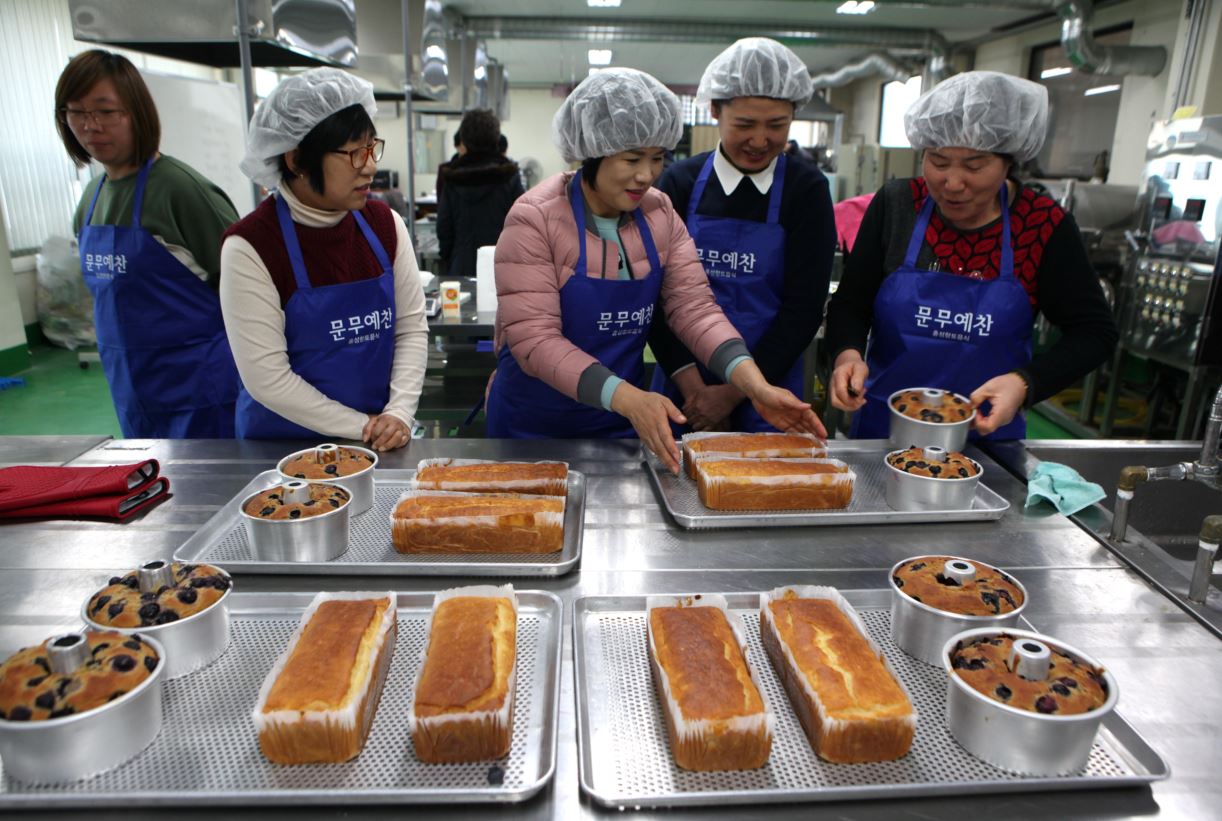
(222, 541)
(624, 754)
(868, 507)
(207, 753)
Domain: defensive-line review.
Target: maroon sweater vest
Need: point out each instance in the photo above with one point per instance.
(332, 255)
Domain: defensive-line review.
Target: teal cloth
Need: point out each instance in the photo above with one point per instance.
(1064, 487)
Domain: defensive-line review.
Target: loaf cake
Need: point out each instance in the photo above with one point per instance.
(438, 521)
(912, 403)
(310, 465)
(850, 703)
(482, 476)
(270, 504)
(990, 593)
(912, 460)
(464, 694)
(1072, 686)
(716, 716)
(117, 664)
(758, 445)
(729, 483)
(318, 700)
(121, 604)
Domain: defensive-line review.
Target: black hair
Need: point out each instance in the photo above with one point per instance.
(480, 129)
(589, 171)
(502, 144)
(344, 126)
(457, 139)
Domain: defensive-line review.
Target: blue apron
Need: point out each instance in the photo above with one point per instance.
(161, 337)
(339, 338)
(745, 261)
(941, 330)
(608, 319)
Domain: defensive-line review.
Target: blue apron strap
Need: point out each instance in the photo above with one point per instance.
(651, 250)
(93, 202)
(291, 244)
(577, 202)
(702, 180)
(1007, 248)
(378, 250)
(141, 181)
(918, 233)
(778, 184)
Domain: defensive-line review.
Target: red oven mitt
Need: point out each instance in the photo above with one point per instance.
(26, 487)
(118, 506)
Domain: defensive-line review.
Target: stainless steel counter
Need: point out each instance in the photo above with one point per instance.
(1169, 668)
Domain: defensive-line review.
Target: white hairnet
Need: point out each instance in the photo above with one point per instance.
(291, 111)
(614, 110)
(756, 67)
(982, 110)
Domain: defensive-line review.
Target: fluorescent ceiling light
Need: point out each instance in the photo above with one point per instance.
(603, 4)
(599, 56)
(855, 7)
(593, 70)
(1059, 71)
(1090, 92)
(480, 73)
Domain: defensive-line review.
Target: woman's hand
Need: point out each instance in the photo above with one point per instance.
(651, 415)
(709, 407)
(779, 407)
(848, 386)
(386, 432)
(1006, 394)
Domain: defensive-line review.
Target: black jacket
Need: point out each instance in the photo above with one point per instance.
(476, 196)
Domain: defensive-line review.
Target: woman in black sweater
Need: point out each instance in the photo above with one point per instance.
(950, 269)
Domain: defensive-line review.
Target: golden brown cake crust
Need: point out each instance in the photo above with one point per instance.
(762, 445)
(912, 404)
(270, 503)
(990, 593)
(752, 484)
(121, 604)
(1072, 686)
(912, 460)
(317, 676)
(548, 478)
(434, 524)
(347, 462)
(29, 691)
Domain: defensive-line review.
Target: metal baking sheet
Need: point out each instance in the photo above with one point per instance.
(624, 755)
(223, 542)
(868, 506)
(207, 753)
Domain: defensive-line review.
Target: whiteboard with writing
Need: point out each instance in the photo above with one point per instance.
(203, 124)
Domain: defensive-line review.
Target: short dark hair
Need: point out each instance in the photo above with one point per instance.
(502, 143)
(457, 139)
(82, 73)
(344, 126)
(480, 130)
(589, 171)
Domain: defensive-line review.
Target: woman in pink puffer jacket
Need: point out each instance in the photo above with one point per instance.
(585, 262)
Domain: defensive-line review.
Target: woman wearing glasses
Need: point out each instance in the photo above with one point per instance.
(321, 295)
(150, 231)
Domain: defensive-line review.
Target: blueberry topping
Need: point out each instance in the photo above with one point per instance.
(935, 470)
(1068, 682)
(267, 511)
(115, 609)
(947, 580)
(150, 662)
(41, 661)
(331, 469)
(166, 617)
(1003, 692)
(310, 503)
(148, 596)
(185, 570)
(935, 417)
(915, 567)
(496, 775)
(962, 472)
(65, 684)
(133, 644)
(294, 514)
(115, 580)
(98, 604)
(45, 700)
(150, 610)
(915, 597)
(898, 581)
(188, 596)
(1060, 689)
(132, 582)
(34, 682)
(961, 663)
(123, 663)
(19, 713)
(1005, 594)
(273, 496)
(902, 408)
(97, 648)
(299, 475)
(991, 600)
(1046, 704)
(116, 694)
(62, 711)
(334, 502)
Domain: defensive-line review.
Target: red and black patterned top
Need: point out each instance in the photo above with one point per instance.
(1049, 260)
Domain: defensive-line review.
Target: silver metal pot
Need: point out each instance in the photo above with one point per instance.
(308, 539)
(71, 748)
(359, 485)
(1022, 741)
(907, 432)
(906, 491)
(191, 643)
(922, 631)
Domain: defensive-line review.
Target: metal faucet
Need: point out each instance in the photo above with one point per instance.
(1204, 470)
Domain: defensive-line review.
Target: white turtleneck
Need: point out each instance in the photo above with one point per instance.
(254, 323)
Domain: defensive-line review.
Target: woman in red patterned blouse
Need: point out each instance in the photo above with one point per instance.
(941, 291)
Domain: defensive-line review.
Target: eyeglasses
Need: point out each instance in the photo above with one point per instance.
(360, 156)
(77, 117)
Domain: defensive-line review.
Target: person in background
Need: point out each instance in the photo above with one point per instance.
(322, 298)
(150, 230)
(459, 150)
(480, 187)
(763, 227)
(584, 263)
(950, 269)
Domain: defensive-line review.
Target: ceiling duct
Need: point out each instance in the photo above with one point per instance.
(878, 63)
(1087, 55)
(284, 32)
(379, 28)
(467, 76)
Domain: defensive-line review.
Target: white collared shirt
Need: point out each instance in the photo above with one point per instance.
(730, 177)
